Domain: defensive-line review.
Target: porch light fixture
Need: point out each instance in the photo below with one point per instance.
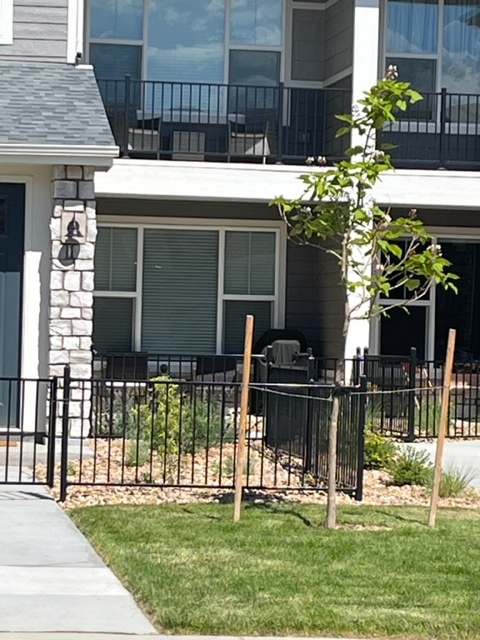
(73, 231)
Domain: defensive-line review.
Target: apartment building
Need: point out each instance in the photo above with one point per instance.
(135, 212)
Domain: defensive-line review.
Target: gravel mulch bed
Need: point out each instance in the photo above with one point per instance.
(377, 490)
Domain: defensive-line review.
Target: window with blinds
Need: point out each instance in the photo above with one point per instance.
(116, 259)
(249, 263)
(179, 306)
(112, 324)
(180, 290)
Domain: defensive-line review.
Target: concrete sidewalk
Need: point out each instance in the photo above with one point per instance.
(51, 580)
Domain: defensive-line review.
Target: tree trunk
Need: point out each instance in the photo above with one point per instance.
(331, 520)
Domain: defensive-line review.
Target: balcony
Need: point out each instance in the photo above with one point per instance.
(224, 123)
(440, 132)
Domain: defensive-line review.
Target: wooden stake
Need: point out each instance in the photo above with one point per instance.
(247, 362)
(447, 382)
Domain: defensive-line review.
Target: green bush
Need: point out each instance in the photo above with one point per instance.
(454, 482)
(379, 451)
(137, 453)
(410, 466)
(174, 421)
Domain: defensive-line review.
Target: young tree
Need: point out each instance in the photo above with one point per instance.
(377, 255)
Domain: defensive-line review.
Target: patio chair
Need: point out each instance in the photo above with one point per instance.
(257, 137)
(127, 366)
(216, 369)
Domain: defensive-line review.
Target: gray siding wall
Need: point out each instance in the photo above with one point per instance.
(339, 37)
(314, 302)
(308, 36)
(444, 217)
(39, 31)
(330, 306)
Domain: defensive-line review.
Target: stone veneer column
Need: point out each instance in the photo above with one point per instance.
(71, 291)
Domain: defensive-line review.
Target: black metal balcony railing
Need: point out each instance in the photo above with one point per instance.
(192, 121)
(440, 131)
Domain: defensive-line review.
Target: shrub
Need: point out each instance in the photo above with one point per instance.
(410, 466)
(174, 421)
(454, 482)
(137, 453)
(379, 451)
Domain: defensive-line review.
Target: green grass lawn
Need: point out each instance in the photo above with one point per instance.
(279, 572)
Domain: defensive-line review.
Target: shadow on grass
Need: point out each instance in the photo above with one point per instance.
(394, 515)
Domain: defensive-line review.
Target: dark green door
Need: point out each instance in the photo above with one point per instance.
(12, 224)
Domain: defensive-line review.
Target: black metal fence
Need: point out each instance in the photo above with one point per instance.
(440, 131)
(182, 121)
(404, 395)
(28, 410)
(176, 433)
(174, 430)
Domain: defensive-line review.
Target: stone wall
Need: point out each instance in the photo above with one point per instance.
(71, 290)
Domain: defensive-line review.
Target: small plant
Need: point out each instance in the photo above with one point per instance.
(411, 466)
(454, 482)
(137, 453)
(379, 451)
(71, 469)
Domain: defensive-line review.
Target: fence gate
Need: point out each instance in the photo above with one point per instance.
(27, 430)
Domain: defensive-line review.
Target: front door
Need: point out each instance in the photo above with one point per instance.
(12, 223)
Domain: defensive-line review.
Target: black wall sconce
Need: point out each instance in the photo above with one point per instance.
(73, 234)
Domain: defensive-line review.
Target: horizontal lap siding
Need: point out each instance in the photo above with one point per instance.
(39, 32)
(314, 302)
(339, 37)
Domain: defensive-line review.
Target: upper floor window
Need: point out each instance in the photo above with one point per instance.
(205, 41)
(435, 43)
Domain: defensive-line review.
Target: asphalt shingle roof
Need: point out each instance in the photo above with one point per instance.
(51, 104)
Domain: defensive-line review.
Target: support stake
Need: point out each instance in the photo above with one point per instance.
(447, 381)
(247, 362)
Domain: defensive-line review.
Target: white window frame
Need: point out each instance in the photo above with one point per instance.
(277, 300)
(6, 22)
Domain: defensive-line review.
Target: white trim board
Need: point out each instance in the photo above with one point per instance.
(6, 22)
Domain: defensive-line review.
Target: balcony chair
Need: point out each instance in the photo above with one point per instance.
(257, 137)
(127, 366)
(142, 136)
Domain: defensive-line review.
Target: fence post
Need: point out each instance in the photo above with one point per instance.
(443, 122)
(356, 366)
(128, 80)
(361, 437)
(64, 455)
(52, 423)
(307, 463)
(281, 89)
(412, 377)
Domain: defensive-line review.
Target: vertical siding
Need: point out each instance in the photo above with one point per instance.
(338, 37)
(39, 31)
